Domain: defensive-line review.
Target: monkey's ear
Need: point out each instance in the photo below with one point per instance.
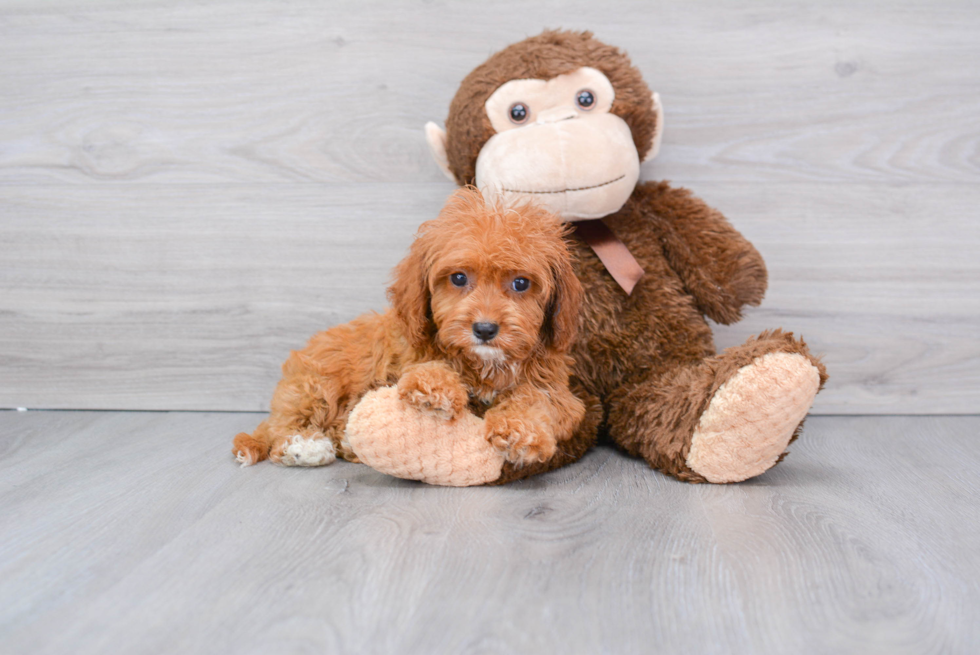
(409, 296)
(436, 136)
(658, 131)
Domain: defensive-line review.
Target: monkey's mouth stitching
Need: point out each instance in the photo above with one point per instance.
(581, 188)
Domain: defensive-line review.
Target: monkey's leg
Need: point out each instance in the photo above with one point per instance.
(399, 439)
(724, 419)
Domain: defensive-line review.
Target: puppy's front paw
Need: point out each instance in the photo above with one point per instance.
(434, 389)
(520, 440)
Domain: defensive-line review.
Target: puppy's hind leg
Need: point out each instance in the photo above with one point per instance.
(252, 448)
(308, 447)
(304, 408)
(307, 411)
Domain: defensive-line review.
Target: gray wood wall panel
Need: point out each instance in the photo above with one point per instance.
(188, 190)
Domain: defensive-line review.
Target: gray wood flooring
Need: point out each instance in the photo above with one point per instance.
(190, 189)
(137, 533)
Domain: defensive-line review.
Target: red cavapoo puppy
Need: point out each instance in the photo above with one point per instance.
(484, 310)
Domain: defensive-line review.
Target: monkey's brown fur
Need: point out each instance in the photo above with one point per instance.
(425, 342)
(645, 363)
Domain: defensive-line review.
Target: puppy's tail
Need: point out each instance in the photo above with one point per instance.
(251, 449)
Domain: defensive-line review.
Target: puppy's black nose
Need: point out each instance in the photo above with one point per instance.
(485, 331)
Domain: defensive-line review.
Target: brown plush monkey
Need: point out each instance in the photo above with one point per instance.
(565, 120)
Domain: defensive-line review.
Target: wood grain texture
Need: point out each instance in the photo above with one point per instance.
(188, 190)
(192, 298)
(137, 532)
(248, 91)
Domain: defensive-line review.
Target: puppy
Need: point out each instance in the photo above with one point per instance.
(484, 310)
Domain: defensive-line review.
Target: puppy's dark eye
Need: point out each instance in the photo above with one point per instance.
(520, 284)
(458, 279)
(518, 112)
(585, 99)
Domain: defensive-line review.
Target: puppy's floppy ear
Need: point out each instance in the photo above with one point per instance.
(564, 307)
(409, 294)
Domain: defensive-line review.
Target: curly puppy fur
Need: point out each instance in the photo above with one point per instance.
(427, 343)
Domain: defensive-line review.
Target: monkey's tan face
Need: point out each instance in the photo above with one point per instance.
(558, 144)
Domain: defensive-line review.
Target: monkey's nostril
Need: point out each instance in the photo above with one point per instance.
(485, 331)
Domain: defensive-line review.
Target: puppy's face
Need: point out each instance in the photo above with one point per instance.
(487, 284)
(489, 303)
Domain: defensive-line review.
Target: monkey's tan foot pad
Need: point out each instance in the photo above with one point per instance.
(752, 417)
(391, 437)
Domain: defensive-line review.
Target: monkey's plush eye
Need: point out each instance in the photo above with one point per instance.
(520, 284)
(585, 99)
(518, 112)
(458, 279)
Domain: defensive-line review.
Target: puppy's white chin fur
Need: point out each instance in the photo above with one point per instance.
(490, 353)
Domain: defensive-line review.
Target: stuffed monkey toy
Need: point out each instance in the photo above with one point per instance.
(565, 120)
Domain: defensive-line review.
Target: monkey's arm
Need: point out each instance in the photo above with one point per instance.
(717, 265)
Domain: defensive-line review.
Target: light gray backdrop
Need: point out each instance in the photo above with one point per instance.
(189, 190)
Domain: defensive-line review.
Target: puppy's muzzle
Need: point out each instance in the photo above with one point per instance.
(485, 331)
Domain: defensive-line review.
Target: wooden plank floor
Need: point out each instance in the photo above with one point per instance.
(136, 532)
